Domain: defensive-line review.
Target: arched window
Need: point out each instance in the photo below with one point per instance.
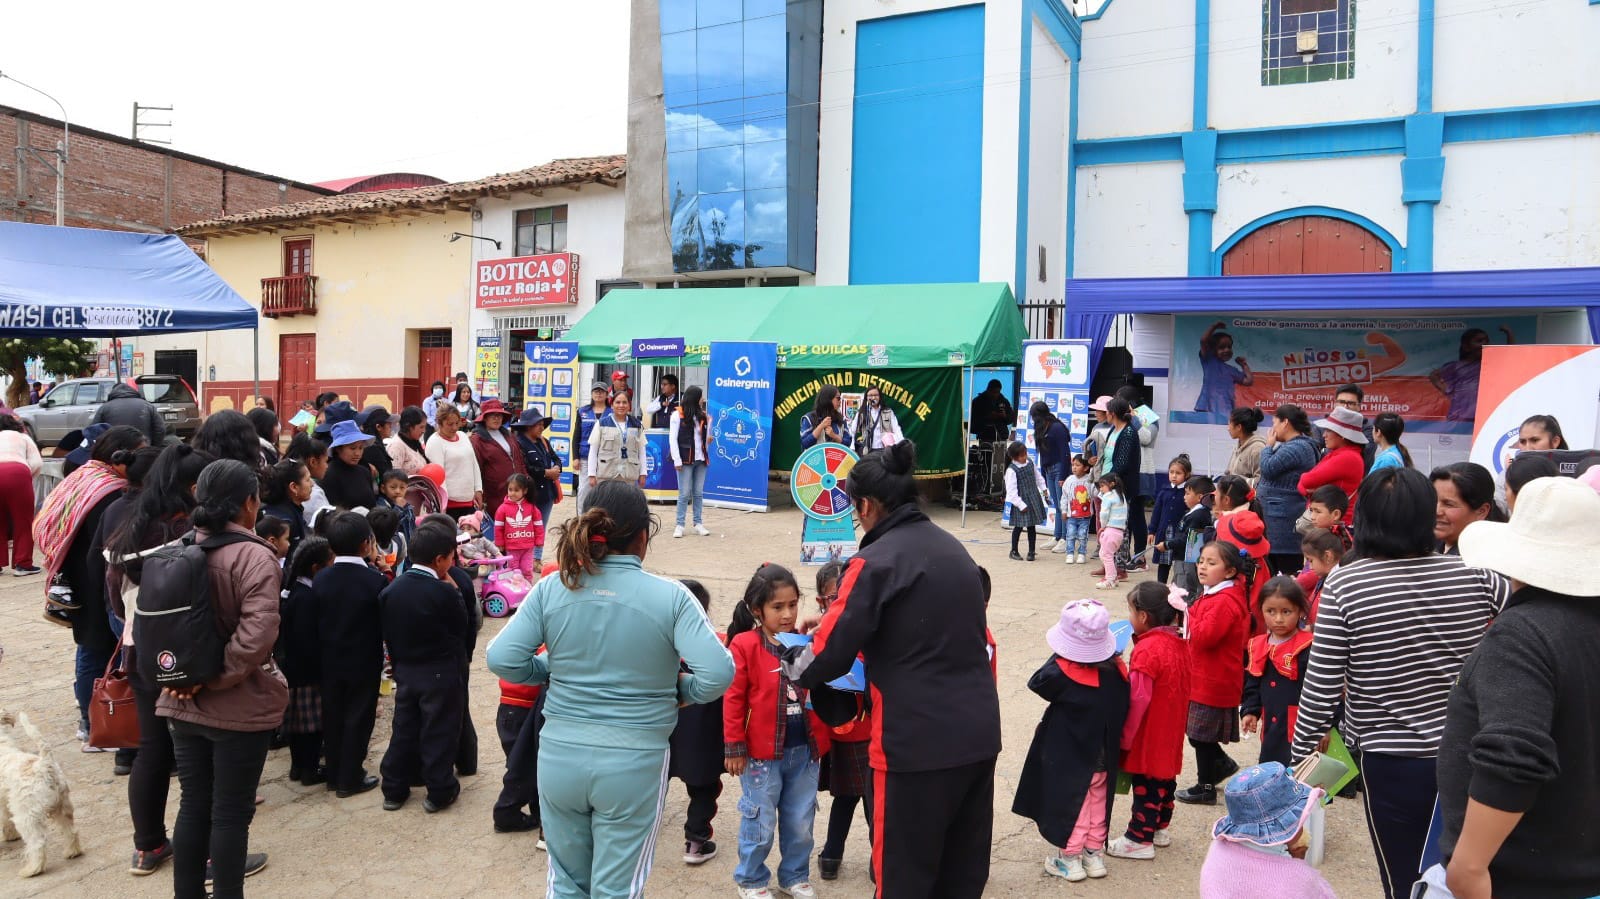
(1308, 245)
(1307, 40)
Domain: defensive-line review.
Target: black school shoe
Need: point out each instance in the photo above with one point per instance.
(431, 805)
(367, 783)
(1199, 794)
(828, 868)
(253, 863)
(1016, 556)
(522, 824)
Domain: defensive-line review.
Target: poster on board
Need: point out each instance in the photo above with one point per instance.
(1055, 372)
(1521, 381)
(1425, 369)
(486, 381)
(548, 376)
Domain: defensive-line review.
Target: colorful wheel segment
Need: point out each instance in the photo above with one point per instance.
(817, 480)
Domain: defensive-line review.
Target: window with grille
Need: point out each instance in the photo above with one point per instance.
(542, 230)
(439, 338)
(1307, 40)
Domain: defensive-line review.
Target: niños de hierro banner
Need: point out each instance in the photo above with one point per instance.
(1424, 369)
(742, 379)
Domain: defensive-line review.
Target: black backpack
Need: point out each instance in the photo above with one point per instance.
(175, 627)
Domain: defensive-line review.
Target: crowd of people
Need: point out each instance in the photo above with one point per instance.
(1319, 584)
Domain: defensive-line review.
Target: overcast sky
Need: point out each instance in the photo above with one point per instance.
(337, 88)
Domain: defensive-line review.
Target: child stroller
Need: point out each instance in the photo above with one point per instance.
(424, 496)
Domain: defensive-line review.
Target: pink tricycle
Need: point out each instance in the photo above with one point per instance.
(504, 588)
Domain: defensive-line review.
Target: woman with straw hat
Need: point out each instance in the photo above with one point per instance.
(1518, 782)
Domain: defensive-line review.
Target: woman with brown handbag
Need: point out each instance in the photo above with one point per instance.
(159, 515)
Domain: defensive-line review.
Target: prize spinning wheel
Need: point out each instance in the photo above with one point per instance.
(817, 481)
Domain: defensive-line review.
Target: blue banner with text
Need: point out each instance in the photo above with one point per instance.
(743, 385)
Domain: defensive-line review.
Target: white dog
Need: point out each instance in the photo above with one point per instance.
(33, 790)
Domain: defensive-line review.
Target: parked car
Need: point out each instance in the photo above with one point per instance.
(70, 406)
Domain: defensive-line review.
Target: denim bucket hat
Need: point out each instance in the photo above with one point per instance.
(1266, 806)
(346, 432)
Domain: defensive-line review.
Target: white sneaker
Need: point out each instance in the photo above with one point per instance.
(701, 530)
(540, 845)
(1094, 863)
(754, 893)
(1069, 868)
(1060, 546)
(1082, 558)
(677, 531)
(801, 890)
(1162, 839)
(1122, 847)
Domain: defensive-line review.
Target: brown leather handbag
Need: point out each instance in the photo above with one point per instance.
(113, 713)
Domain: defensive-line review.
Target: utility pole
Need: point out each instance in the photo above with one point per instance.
(61, 153)
(141, 125)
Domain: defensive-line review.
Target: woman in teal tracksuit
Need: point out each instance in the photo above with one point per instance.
(613, 637)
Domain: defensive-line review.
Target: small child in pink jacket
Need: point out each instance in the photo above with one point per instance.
(518, 528)
(1257, 852)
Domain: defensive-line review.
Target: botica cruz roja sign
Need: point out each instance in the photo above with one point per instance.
(542, 280)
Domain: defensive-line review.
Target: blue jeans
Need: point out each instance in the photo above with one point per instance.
(780, 799)
(692, 485)
(1078, 535)
(90, 664)
(544, 506)
(1052, 483)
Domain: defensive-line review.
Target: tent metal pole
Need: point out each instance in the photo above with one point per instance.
(116, 358)
(966, 444)
(255, 340)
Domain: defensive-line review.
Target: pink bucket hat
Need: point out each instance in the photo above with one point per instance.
(1083, 634)
(1099, 404)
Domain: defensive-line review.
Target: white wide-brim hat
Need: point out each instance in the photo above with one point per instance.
(1344, 422)
(1551, 542)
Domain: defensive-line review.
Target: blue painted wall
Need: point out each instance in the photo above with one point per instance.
(916, 186)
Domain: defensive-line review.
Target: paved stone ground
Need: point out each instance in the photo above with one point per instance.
(324, 847)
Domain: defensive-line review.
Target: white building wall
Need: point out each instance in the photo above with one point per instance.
(1366, 185)
(1130, 222)
(1002, 61)
(1385, 82)
(1489, 55)
(1048, 162)
(595, 216)
(1137, 69)
(1520, 204)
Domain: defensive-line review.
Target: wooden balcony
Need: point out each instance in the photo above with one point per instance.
(289, 295)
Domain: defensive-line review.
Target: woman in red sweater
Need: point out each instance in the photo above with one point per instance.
(1342, 465)
(1219, 628)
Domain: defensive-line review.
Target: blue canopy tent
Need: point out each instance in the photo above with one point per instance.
(81, 282)
(1093, 303)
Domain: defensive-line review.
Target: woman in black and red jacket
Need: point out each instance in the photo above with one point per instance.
(911, 604)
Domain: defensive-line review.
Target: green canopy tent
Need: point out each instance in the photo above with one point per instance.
(887, 332)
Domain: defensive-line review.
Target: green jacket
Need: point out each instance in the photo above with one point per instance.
(611, 655)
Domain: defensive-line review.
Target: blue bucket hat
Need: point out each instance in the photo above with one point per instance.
(348, 432)
(1266, 806)
(333, 413)
(82, 450)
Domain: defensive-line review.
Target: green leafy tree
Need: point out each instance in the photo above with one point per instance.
(66, 357)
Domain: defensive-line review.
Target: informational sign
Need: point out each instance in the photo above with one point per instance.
(657, 347)
(1425, 369)
(926, 402)
(487, 367)
(542, 280)
(1520, 381)
(743, 378)
(138, 364)
(660, 476)
(1055, 372)
(549, 372)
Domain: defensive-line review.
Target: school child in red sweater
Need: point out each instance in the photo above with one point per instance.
(1219, 627)
(1275, 663)
(518, 528)
(1158, 705)
(1066, 782)
(845, 769)
(696, 760)
(1324, 550)
(771, 743)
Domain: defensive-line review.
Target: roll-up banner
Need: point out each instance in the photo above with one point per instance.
(742, 381)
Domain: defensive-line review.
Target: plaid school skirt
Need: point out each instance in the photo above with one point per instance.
(846, 771)
(1211, 724)
(304, 714)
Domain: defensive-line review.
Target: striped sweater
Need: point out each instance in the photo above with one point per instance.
(1391, 637)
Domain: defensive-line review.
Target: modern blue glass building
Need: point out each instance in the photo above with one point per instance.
(741, 84)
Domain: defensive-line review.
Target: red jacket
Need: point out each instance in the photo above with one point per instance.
(1156, 747)
(1343, 468)
(517, 526)
(752, 709)
(994, 653)
(1219, 627)
(524, 695)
